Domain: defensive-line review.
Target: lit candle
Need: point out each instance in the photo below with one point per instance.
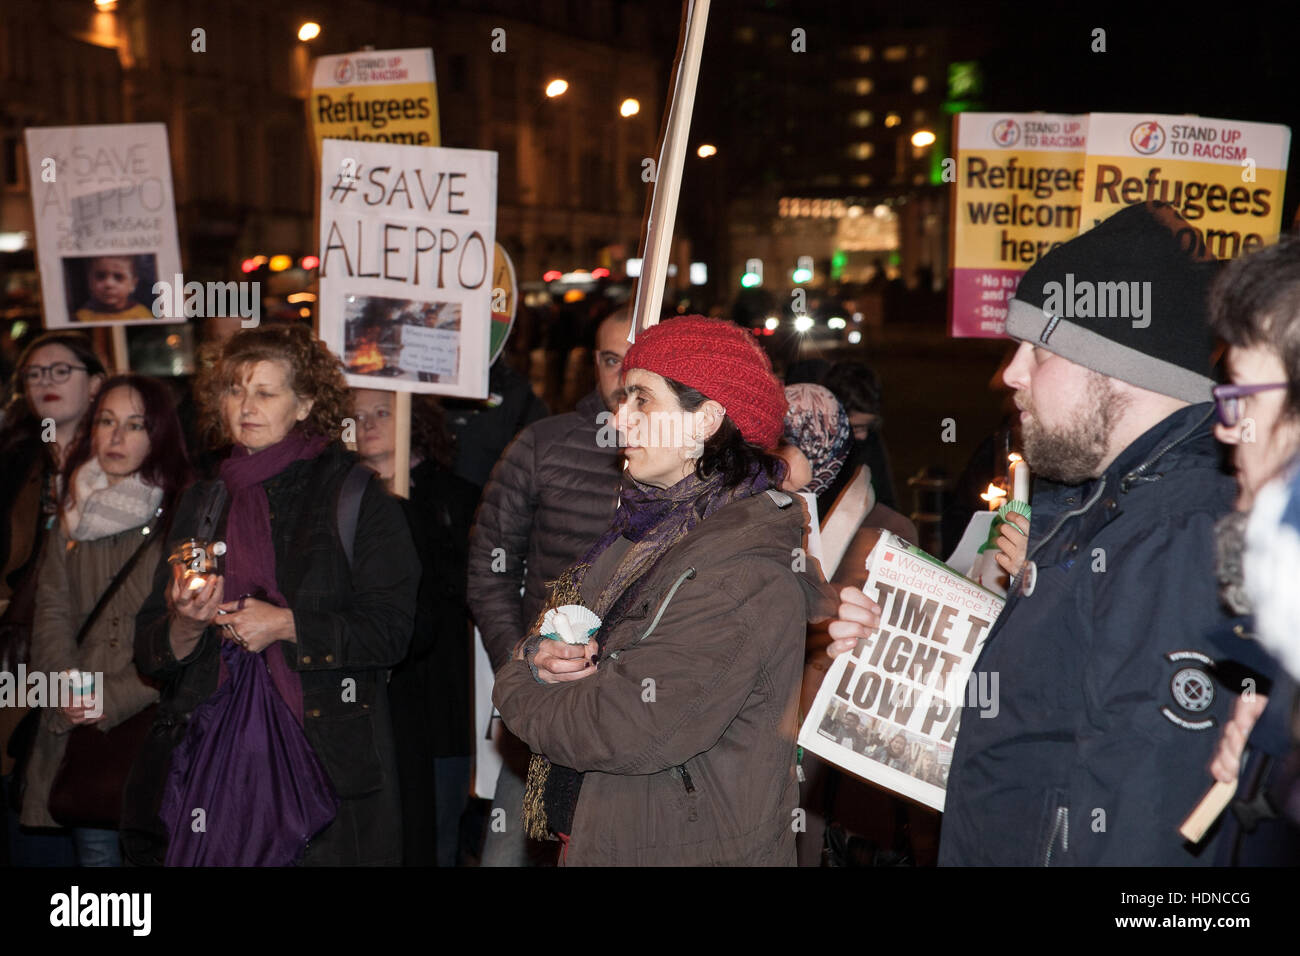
(995, 496)
(1019, 478)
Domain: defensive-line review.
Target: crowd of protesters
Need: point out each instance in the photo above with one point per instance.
(279, 647)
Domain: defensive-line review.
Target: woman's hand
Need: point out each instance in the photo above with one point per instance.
(856, 618)
(1013, 542)
(85, 714)
(193, 610)
(557, 662)
(1226, 764)
(255, 625)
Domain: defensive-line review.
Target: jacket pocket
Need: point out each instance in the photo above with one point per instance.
(1054, 841)
(346, 746)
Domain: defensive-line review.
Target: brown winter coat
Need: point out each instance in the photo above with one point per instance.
(686, 731)
(71, 581)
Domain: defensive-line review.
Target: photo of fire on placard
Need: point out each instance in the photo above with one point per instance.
(401, 339)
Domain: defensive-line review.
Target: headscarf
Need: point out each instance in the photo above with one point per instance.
(817, 423)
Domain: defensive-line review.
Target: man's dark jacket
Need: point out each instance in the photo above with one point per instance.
(353, 624)
(552, 494)
(1106, 716)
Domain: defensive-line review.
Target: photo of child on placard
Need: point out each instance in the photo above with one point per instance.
(109, 287)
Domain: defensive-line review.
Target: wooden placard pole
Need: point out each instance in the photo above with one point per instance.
(402, 447)
(1214, 802)
(656, 249)
(121, 354)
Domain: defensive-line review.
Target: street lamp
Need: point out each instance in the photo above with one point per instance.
(629, 107)
(706, 150)
(922, 138)
(556, 88)
(309, 31)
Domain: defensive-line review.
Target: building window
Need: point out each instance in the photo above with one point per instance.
(919, 84)
(918, 116)
(860, 118)
(861, 53)
(861, 150)
(893, 119)
(862, 86)
(862, 180)
(895, 53)
(744, 34)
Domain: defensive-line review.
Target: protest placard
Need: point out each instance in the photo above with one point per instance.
(889, 710)
(105, 217)
(1019, 187)
(505, 301)
(407, 234)
(379, 96)
(1223, 176)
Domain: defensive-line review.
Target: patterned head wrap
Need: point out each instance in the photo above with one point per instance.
(817, 423)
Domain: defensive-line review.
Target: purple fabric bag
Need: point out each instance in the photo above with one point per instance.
(247, 764)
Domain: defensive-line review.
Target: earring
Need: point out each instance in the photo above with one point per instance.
(697, 449)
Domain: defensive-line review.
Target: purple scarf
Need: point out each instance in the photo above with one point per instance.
(245, 761)
(250, 553)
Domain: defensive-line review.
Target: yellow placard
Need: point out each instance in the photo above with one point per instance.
(376, 96)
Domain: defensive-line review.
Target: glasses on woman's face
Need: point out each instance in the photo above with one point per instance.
(1227, 399)
(58, 372)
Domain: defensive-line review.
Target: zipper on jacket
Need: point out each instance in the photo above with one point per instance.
(1139, 473)
(1013, 587)
(1061, 827)
(681, 578)
(690, 791)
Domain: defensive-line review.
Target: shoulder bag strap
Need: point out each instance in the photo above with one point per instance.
(120, 577)
(349, 507)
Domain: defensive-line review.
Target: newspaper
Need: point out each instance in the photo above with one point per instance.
(889, 710)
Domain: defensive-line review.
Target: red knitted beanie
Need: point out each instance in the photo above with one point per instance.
(718, 359)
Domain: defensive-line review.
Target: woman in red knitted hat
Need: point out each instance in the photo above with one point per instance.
(664, 728)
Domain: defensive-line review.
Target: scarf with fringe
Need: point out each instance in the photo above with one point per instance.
(653, 519)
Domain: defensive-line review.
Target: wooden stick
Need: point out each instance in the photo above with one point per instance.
(1214, 802)
(656, 250)
(402, 450)
(121, 354)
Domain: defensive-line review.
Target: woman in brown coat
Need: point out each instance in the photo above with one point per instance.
(669, 739)
(120, 478)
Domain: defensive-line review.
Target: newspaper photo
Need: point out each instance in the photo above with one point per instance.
(889, 710)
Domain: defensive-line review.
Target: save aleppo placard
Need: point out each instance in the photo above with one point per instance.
(406, 265)
(105, 216)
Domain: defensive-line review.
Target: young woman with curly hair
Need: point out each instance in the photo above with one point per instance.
(292, 616)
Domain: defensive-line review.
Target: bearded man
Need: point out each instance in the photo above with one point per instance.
(1109, 709)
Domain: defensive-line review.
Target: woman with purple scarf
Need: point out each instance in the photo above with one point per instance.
(668, 737)
(273, 743)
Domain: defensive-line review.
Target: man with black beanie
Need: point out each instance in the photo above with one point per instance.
(1108, 708)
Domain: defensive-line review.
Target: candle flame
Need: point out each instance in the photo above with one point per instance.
(993, 493)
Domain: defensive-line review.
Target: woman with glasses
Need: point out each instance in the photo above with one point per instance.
(1255, 308)
(57, 376)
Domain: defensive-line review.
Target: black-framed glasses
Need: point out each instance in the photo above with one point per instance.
(1227, 399)
(59, 372)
